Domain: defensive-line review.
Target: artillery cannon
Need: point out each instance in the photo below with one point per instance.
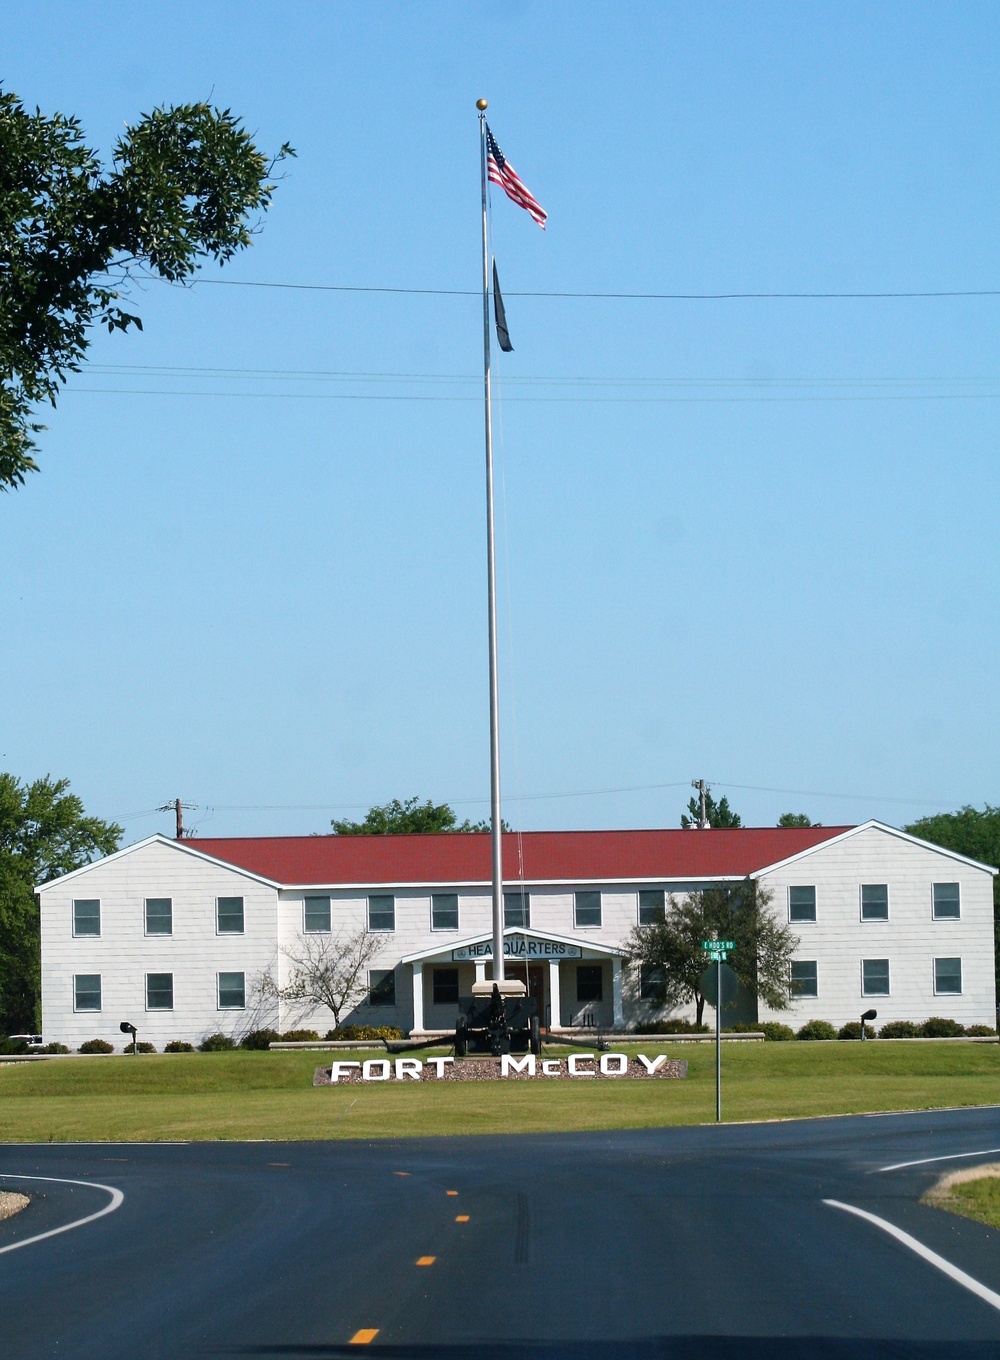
(495, 1022)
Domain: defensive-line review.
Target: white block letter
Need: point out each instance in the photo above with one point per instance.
(575, 1058)
(408, 1067)
(551, 1067)
(651, 1066)
(339, 1069)
(438, 1065)
(510, 1064)
(621, 1064)
(368, 1072)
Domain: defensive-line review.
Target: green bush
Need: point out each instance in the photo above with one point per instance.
(52, 1048)
(899, 1029)
(357, 1032)
(852, 1030)
(300, 1036)
(178, 1046)
(9, 1047)
(142, 1046)
(979, 1031)
(96, 1046)
(939, 1027)
(775, 1032)
(259, 1038)
(216, 1043)
(674, 1027)
(817, 1029)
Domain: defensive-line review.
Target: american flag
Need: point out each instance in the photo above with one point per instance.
(500, 171)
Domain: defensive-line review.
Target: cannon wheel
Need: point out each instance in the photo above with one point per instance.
(535, 1037)
(461, 1037)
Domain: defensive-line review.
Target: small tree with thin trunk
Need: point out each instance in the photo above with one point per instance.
(330, 971)
(764, 945)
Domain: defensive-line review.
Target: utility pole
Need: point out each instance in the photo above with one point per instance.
(703, 791)
(177, 808)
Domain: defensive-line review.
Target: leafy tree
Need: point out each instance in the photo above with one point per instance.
(44, 832)
(409, 818)
(186, 183)
(718, 813)
(975, 834)
(764, 945)
(330, 971)
(796, 819)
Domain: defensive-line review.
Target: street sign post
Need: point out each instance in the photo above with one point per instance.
(717, 951)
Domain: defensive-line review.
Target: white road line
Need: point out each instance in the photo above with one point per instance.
(951, 1157)
(946, 1267)
(117, 1198)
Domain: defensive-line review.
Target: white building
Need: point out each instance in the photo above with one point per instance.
(176, 936)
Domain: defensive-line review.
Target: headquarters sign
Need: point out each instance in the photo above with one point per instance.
(523, 947)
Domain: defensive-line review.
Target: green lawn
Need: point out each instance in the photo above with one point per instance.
(271, 1096)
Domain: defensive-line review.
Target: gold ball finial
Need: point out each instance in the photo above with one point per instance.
(481, 104)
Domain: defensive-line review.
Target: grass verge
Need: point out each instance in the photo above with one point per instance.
(972, 1193)
(270, 1095)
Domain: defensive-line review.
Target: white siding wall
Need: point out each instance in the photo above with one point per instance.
(123, 954)
(911, 939)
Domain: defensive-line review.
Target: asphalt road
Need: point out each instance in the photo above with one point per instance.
(706, 1242)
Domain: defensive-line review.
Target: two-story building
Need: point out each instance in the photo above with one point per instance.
(188, 938)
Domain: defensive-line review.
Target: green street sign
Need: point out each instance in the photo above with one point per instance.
(714, 945)
(718, 955)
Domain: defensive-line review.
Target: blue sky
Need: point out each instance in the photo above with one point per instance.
(747, 540)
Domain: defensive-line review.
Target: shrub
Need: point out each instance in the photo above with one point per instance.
(259, 1038)
(775, 1032)
(142, 1046)
(980, 1031)
(52, 1048)
(178, 1046)
(216, 1043)
(674, 1027)
(96, 1046)
(364, 1032)
(899, 1029)
(817, 1029)
(12, 1046)
(938, 1027)
(852, 1030)
(299, 1036)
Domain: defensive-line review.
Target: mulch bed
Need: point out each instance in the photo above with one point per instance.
(488, 1069)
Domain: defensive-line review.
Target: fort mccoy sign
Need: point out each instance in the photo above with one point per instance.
(518, 947)
(510, 1066)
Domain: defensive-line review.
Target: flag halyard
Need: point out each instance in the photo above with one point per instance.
(500, 171)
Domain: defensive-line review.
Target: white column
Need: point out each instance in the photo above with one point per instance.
(616, 991)
(480, 970)
(556, 1019)
(418, 997)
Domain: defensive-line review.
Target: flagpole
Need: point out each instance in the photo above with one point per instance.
(496, 825)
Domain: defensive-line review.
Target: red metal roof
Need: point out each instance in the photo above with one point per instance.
(535, 856)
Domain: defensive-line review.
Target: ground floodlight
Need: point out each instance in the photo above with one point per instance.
(868, 1015)
(127, 1027)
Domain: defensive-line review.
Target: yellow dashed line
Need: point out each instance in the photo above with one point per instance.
(451, 1192)
(364, 1336)
(462, 1218)
(400, 1173)
(426, 1260)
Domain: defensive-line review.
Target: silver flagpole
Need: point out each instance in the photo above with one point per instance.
(495, 822)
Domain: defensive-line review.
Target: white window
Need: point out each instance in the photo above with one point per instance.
(444, 911)
(517, 909)
(381, 987)
(316, 915)
(87, 992)
(802, 904)
(232, 991)
(87, 917)
(229, 915)
(159, 916)
(587, 910)
(947, 902)
(874, 901)
(652, 983)
(804, 977)
(382, 912)
(651, 906)
(159, 991)
(948, 977)
(874, 977)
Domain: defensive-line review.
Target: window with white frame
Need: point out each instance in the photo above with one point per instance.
(586, 910)
(874, 977)
(802, 903)
(159, 912)
(316, 915)
(517, 909)
(652, 983)
(381, 987)
(87, 916)
(87, 992)
(381, 911)
(874, 901)
(229, 915)
(651, 906)
(804, 977)
(589, 982)
(232, 991)
(948, 977)
(444, 911)
(159, 991)
(947, 902)
(445, 987)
